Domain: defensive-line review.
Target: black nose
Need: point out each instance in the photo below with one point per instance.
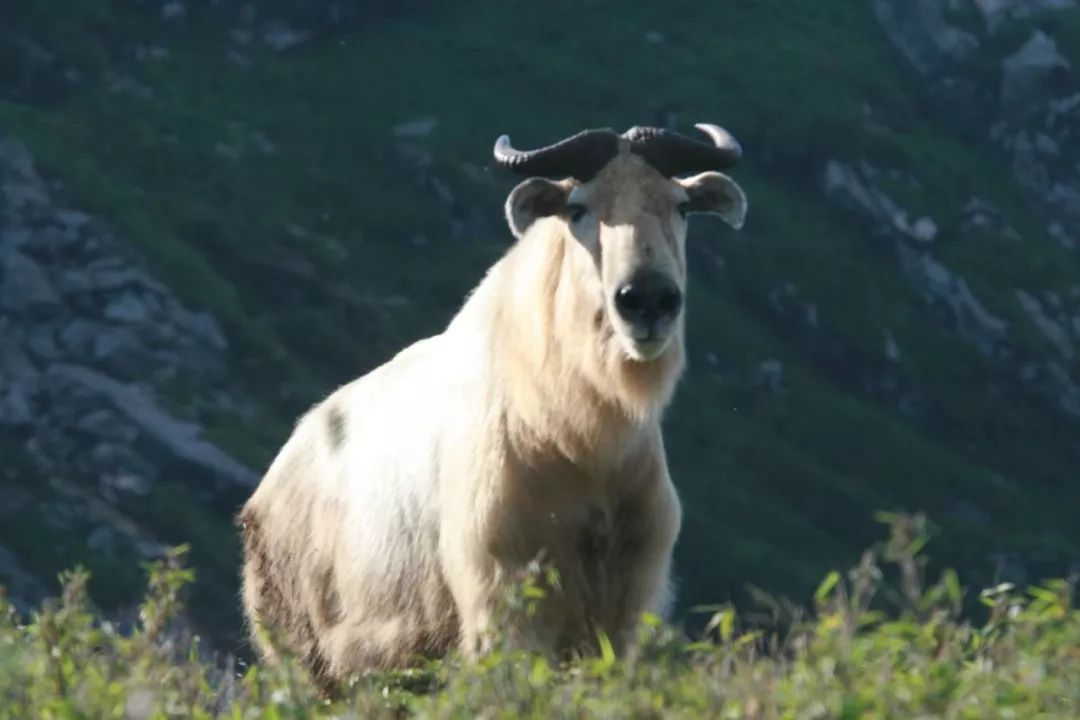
(648, 297)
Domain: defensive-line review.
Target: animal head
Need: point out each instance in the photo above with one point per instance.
(618, 197)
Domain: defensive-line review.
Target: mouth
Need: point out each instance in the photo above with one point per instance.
(645, 343)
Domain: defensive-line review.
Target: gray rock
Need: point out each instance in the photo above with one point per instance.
(892, 348)
(127, 85)
(264, 144)
(1063, 389)
(19, 384)
(227, 151)
(128, 308)
(770, 375)
(1047, 145)
(180, 438)
(102, 539)
(121, 353)
(127, 483)
(853, 188)
(77, 337)
(917, 28)
(1026, 72)
(1053, 332)
(1030, 170)
(419, 128)
(24, 287)
(280, 36)
(58, 515)
(13, 238)
(202, 325)
(15, 159)
(1063, 109)
(940, 286)
(16, 408)
(15, 365)
(1063, 201)
(98, 277)
(107, 425)
(995, 13)
(173, 10)
(21, 194)
(924, 230)
(73, 221)
(109, 458)
(982, 215)
(41, 342)
(237, 58)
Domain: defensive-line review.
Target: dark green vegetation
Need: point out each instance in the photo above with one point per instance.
(325, 251)
(880, 642)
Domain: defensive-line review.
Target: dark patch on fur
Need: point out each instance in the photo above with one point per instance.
(329, 600)
(275, 610)
(593, 538)
(629, 548)
(335, 425)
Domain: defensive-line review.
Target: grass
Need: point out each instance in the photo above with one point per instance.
(880, 640)
(297, 248)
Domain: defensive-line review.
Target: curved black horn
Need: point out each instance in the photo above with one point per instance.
(673, 154)
(580, 156)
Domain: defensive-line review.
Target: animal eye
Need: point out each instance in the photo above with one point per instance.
(576, 212)
(684, 208)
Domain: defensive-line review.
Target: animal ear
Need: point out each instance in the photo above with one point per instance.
(716, 194)
(533, 199)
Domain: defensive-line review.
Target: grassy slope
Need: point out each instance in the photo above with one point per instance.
(868, 648)
(781, 487)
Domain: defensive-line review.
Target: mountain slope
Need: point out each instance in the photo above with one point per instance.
(323, 187)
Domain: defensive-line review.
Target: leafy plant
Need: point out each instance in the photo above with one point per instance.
(867, 648)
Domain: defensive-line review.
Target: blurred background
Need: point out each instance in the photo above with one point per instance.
(213, 213)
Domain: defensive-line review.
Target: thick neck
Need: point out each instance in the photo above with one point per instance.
(569, 386)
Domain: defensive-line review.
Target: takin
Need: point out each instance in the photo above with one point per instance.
(407, 503)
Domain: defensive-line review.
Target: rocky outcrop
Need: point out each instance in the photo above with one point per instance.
(919, 30)
(90, 345)
(948, 293)
(1028, 74)
(1033, 122)
(1028, 108)
(997, 13)
(853, 188)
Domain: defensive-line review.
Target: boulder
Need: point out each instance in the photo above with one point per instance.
(418, 128)
(280, 36)
(1053, 331)
(24, 286)
(940, 287)
(1027, 76)
(179, 438)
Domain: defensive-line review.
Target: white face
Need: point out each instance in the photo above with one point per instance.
(632, 221)
(637, 240)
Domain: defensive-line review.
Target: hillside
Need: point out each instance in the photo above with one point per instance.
(213, 215)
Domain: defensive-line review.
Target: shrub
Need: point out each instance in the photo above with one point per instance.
(876, 642)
